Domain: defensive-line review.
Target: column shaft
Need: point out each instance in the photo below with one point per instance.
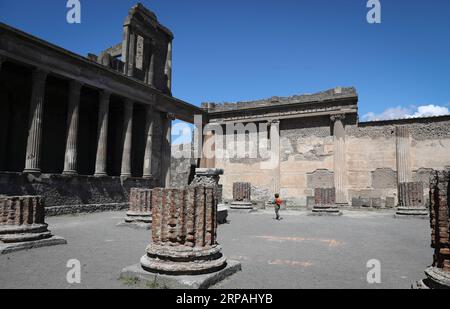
(168, 67)
(127, 139)
(131, 54)
(275, 154)
(149, 127)
(404, 171)
(167, 150)
(33, 154)
(151, 68)
(70, 162)
(102, 134)
(340, 168)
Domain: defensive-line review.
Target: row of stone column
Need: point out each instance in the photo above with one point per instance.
(36, 113)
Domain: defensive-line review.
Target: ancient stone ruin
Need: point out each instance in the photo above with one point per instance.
(211, 177)
(325, 202)
(22, 224)
(184, 238)
(242, 196)
(438, 275)
(140, 211)
(411, 200)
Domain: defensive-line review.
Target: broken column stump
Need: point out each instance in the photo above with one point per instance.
(325, 203)
(411, 201)
(22, 224)
(139, 214)
(242, 196)
(211, 177)
(183, 252)
(438, 275)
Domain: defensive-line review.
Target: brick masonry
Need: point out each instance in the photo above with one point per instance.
(184, 232)
(440, 220)
(242, 192)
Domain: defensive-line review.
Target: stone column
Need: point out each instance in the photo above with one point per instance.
(5, 112)
(167, 149)
(131, 54)
(151, 68)
(168, 67)
(275, 153)
(340, 165)
(127, 138)
(70, 162)
(149, 131)
(207, 161)
(404, 171)
(33, 154)
(102, 134)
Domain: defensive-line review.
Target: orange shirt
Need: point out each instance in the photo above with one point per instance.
(278, 201)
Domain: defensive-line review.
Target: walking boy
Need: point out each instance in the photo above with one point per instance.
(277, 203)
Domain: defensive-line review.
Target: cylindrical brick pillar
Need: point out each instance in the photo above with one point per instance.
(36, 118)
(102, 134)
(438, 275)
(22, 218)
(140, 211)
(242, 192)
(184, 232)
(70, 162)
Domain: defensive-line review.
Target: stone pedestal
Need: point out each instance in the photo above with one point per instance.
(411, 201)
(139, 214)
(22, 224)
(184, 232)
(438, 275)
(325, 203)
(242, 196)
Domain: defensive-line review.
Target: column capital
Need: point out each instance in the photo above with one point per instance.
(170, 116)
(105, 95)
(75, 84)
(337, 117)
(40, 74)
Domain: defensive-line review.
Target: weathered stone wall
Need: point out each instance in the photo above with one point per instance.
(78, 193)
(182, 169)
(307, 154)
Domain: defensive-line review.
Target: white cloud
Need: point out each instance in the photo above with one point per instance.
(407, 112)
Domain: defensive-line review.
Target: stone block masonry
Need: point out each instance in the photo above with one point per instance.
(438, 275)
(22, 224)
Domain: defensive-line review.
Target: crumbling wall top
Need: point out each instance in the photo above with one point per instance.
(331, 94)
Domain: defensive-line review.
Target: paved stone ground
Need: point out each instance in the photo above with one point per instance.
(297, 252)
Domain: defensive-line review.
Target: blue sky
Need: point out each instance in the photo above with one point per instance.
(231, 50)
